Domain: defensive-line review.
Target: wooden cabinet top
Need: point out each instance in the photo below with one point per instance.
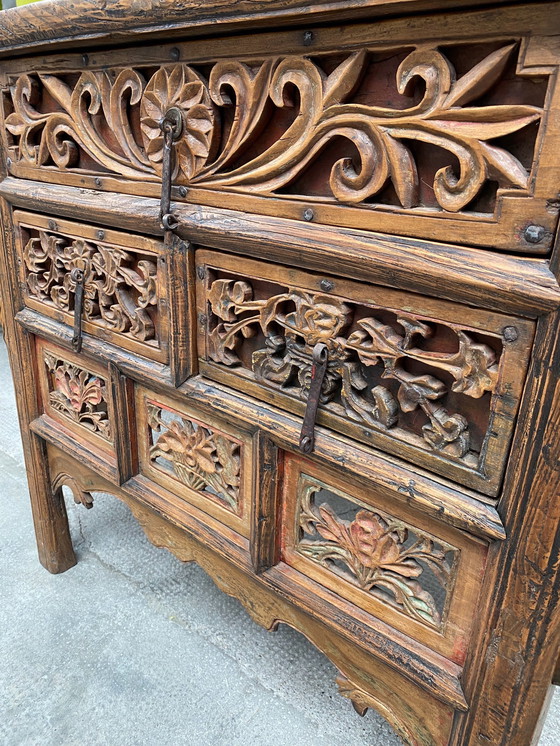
(64, 22)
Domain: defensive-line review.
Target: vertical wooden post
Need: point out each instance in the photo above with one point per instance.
(54, 543)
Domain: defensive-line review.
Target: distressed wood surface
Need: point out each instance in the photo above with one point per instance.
(501, 282)
(378, 177)
(106, 22)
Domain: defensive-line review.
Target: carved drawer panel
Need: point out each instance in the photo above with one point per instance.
(124, 280)
(382, 556)
(206, 462)
(432, 381)
(76, 392)
(402, 131)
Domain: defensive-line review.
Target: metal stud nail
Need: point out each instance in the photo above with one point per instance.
(534, 233)
(308, 214)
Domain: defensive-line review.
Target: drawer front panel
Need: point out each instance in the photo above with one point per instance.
(207, 463)
(380, 556)
(402, 131)
(76, 392)
(124, 286)
(405, 373)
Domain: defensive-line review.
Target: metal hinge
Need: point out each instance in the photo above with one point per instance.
(171, 127)
(77, 276)
(318, 370)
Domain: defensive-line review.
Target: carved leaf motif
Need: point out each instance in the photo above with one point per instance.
(419, 389)
(480, 78)
(58, 90)
(344, 79)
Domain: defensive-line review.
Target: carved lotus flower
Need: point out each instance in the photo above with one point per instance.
(181, 87)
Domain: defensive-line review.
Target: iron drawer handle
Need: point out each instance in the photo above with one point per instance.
(78, 276)
(171, 126)
(318, 370)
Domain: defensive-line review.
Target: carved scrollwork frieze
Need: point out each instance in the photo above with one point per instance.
(261, 127)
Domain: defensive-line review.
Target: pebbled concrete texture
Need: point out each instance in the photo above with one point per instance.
(133, 648)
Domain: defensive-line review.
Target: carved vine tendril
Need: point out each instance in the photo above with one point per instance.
(210, 154)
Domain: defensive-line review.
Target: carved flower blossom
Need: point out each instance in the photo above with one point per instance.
(317, 318)
(368, 540)
(183, 88)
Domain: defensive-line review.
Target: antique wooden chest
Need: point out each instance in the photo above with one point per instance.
(282, 276)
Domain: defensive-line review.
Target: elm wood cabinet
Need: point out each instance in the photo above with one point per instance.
(283, 278)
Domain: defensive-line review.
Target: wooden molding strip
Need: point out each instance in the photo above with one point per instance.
(35, 27)
(500, 282)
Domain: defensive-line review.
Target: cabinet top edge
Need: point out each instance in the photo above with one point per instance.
(63, 23)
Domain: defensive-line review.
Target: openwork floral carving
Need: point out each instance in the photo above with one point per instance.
(202, 459)
(359, 346)
(225, 115)
(119, 285)
(79, 395)
(373, 551)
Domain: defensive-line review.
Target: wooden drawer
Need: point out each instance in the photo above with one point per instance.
(403, 126)
(434, 382)
(420, 576)
(76, 393)
(125, 287)
(205, 461)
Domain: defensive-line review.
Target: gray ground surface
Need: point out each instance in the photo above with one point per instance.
(132, 648)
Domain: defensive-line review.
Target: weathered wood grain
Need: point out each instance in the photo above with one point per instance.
(108, 22)
(347, 175)
(500, 282)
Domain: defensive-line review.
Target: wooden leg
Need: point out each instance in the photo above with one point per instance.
(49, 512)
(54, 543)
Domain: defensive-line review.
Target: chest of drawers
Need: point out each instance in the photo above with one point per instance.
(283, 278)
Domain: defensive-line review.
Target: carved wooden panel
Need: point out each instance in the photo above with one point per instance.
(77, 393)
(404, 372)
(124, 286)
(380, 555)
(430, 131)
(206, 461)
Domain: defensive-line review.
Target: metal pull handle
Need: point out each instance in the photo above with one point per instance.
(77, 276)
(318, 370)
(171, 127)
